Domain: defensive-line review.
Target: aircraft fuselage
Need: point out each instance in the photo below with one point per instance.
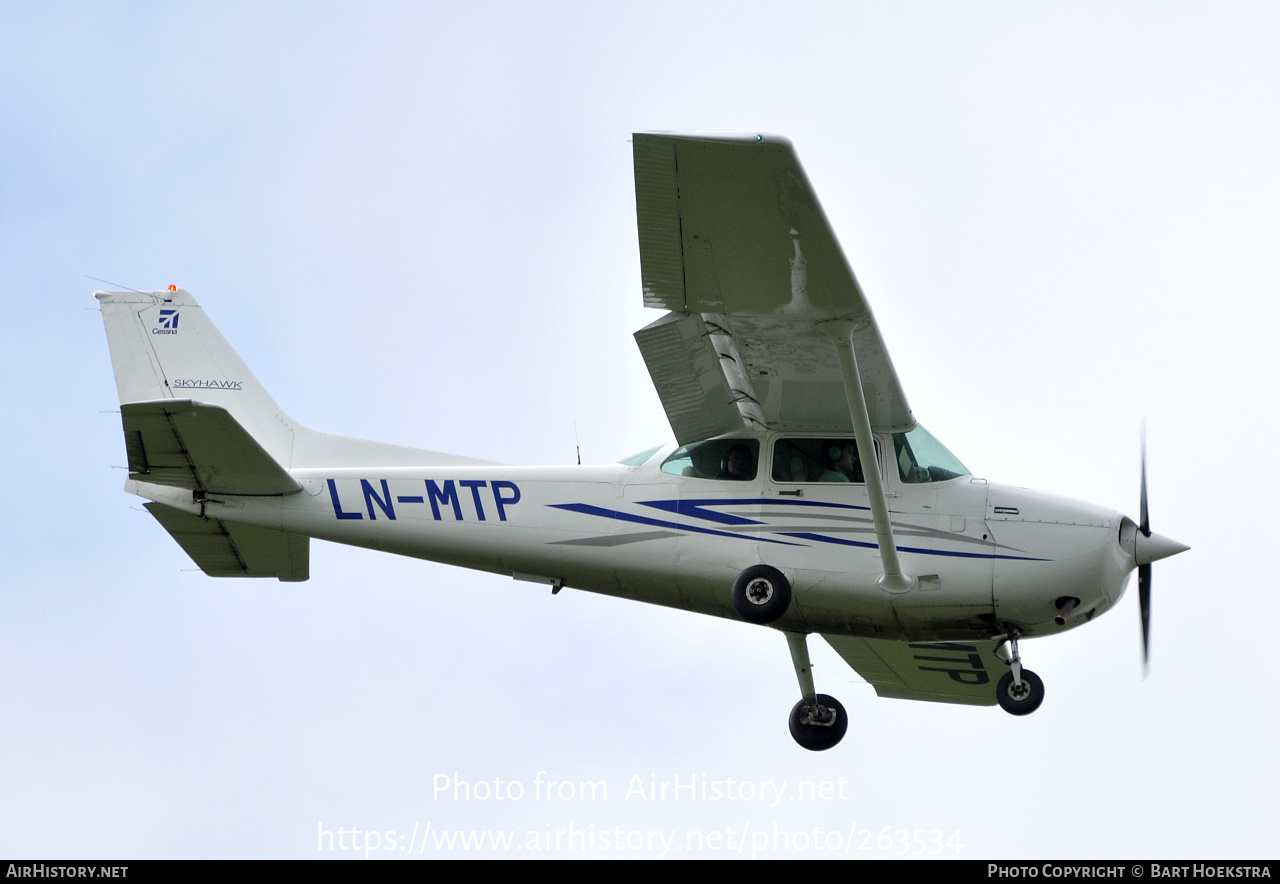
(983, 555)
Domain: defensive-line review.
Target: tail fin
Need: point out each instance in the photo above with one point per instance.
(233, 440)
(163, 347)
(167, 353)
(195, 418)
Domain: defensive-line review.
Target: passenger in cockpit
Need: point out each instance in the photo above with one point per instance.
(842, 464)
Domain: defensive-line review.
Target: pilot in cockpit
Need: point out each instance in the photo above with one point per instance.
(738, 464)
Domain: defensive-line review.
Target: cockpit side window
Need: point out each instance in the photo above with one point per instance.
(731, 460)
(817, 460)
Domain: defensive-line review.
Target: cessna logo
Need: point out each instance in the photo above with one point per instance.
(168, 323)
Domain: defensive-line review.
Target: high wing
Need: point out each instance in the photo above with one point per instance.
(944, 672)
(735, 244)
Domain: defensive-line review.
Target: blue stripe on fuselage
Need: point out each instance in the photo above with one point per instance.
(822, 538)
(697, 509)
(587, 509)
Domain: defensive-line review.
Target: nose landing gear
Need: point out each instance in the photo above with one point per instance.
(1020, 691)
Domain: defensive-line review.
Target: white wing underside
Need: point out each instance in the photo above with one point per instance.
(734, 242)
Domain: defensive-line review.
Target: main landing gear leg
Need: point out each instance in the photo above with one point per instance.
(1021, 691)
(818, 721)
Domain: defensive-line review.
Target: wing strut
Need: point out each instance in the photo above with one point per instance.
(841, 332)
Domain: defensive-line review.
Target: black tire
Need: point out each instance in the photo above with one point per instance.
(1024, 701)
(817, 737)
(761, 594)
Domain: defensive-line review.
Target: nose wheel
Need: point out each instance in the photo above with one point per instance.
(818, 721)
(1020, 698)
(1020, 691)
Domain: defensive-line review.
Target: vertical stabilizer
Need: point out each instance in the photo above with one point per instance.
(164, 347)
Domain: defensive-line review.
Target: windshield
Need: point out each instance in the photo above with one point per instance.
(922, 458)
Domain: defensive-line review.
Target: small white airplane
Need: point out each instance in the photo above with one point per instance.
(800, 492)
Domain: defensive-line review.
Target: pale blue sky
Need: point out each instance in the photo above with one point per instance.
(416, 223)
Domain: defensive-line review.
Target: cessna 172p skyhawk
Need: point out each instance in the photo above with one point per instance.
(802, 493)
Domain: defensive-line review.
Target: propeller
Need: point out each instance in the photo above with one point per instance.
(1144, 571)
(1148, 547)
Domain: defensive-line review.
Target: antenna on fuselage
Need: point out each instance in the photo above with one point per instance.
(577, 447)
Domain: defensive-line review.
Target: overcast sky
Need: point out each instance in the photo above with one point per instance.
(417, 224)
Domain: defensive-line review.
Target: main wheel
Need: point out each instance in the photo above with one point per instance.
(761, 594)
(1023, 699)
(818, 728)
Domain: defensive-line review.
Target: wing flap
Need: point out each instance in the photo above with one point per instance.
(185, 444)
(941, 672)
(226, 549)
(685, 368)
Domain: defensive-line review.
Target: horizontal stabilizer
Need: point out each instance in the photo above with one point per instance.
(943, 672)
(187, 444)
(226, 549)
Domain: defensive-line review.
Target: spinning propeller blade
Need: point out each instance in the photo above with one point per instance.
(1148, 547)
(1144, 571)
(1144, 604)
